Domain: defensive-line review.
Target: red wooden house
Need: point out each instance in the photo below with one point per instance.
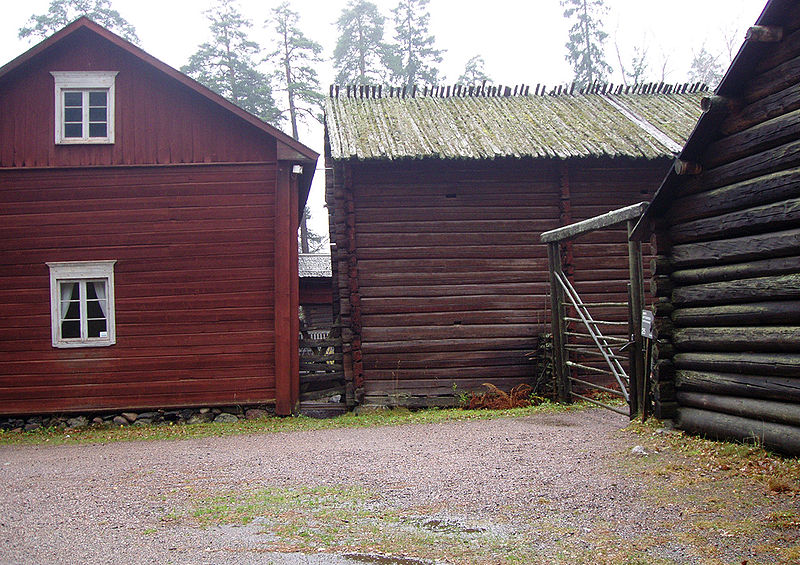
(148, 233)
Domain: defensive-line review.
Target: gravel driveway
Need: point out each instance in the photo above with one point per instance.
(555, 482)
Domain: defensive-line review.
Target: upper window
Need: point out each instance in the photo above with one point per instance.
(82, 303)
(84, 106)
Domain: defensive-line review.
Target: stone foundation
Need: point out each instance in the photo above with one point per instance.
(130, 418)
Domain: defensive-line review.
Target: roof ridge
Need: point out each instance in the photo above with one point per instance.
(356, 91)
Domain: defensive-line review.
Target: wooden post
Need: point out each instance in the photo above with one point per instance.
(638, 394)
(285, 240)
(560, 373)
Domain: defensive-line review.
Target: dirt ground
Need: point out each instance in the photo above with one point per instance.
(573, 487)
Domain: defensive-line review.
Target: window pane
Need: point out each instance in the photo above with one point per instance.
(96, 327)
(73, 130)
(96, 115)
(73, 115)
(97, 99)
(73, 98)
(98, 130)
(70, 329)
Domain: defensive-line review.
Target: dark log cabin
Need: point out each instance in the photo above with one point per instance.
(437, 202)
(727, 238)
(148, 232)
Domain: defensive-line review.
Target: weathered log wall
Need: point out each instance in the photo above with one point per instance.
(441, 279)
(728, 272)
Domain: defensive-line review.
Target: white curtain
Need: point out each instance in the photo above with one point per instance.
(100, 291)
(66, 295)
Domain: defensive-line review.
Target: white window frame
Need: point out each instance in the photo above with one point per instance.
(81, 271)
(84, 81)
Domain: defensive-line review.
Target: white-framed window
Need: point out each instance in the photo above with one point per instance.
(82, 303)
(84, 106)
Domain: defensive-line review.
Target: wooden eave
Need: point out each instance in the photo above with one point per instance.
(288, 148)
(731, 86)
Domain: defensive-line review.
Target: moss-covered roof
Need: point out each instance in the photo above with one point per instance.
(563, 126)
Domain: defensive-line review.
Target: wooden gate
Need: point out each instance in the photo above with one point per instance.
(583, 350)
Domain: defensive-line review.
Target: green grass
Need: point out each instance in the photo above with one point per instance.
(56, 436)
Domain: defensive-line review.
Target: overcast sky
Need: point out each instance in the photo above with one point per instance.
(522, 41)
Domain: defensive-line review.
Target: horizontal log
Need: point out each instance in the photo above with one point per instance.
(765, 189)
(764, 34)
(779, 437)
(769, 217)
(781, 287)
(744, 363)
(756, 409)
(749, 314)
(751, 269)
(740, 249)
(781, 102)
(783, 389)
(760, 137)
(759, 339)
(719, 105)
(772, 81)
(688, 168)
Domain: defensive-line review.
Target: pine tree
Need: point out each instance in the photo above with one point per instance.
(414, 57)
(294, 56)
(62, 12)
(585, 50)
(474, 72)
(360, 52)
(225, 64)
(705, 68)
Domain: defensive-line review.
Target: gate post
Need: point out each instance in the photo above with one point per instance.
(560, 373)
(638, 396)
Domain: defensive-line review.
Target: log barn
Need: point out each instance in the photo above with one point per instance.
(725, 223)
(148, 232)
(437, 199)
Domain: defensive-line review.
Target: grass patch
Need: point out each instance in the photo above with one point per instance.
(56, 436)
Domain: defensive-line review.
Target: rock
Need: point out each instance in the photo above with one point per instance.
(148, 415)
(336, 398)
(226, 418)
(97, 421)
(204, 410)
(640, 451)
(186, 414)
(130, 416)
(30, 426)
(143, 421)
(120, 421)
(369, 409)
(255, 414)
(216, 411)
(200, 418)
(78, 422)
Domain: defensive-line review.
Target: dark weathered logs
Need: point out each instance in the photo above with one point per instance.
(753, 192)
(738, 249)
(751, 386)
(770, 217)
(762, 268)
(779, 437)
(763, 339)
(714, 105)
(778, 412)
(759, 313)
(745, 363)
(772, 81)
(773, 105)
(687, 167)
(774, 132)
(781, 287)
(764, 34)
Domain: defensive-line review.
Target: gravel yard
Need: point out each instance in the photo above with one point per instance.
(560, 487)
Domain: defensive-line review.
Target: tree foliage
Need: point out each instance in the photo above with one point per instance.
(360, 53)
(414, 57)
(62, 12)
(474, 72)
(705, 68)
(585, 46)
(294, 57)
(225, 64)
(636, 70)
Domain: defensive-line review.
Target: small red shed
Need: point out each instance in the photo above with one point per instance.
(148, 232)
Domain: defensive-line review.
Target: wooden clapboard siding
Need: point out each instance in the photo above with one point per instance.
(439, 274)
(158, 120)
(728, 271)
(194, 285)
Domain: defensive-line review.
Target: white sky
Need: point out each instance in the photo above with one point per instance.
(522, 41)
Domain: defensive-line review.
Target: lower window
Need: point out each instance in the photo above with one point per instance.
(82, 303)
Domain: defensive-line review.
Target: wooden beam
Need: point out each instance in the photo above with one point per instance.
(768, 339)
(687, 167)
(778, 312)
(764, 34)
(757, 409)
(768, 365)
(282, 296)
(609, 219)
(560, 371)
